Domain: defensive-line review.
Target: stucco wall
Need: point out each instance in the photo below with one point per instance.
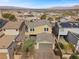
(11, 50)
(64, 31)
(5, 51)
(39, 29)
(11, 32)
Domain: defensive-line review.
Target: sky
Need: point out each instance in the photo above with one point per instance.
(38, 3)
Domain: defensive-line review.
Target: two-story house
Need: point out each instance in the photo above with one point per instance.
(62, 28)
(40, 30)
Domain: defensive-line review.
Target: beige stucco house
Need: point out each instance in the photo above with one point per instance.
(41, 31)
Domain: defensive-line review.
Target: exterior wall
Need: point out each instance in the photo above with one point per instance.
(56, 29)
(4, 51)
(11, 50)
(64, 31)
(11, 32)
(39, 29)
(21, 35)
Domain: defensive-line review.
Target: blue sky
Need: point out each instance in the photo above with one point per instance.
(38, 3)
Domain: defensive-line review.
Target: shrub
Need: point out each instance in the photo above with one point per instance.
(9, 16)
(27, 45)
(74, 56)
(61, 45)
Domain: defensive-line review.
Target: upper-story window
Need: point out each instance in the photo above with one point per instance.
(46, 29)
(32, 29)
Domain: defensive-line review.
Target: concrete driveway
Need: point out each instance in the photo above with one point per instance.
(45, 52)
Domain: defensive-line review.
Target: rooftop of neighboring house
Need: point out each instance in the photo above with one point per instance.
(68, 24)
(2, 23)
(37, 23)
(45, 37)
(6, 41)
(76, 36)
(12, 25)
(65, 19)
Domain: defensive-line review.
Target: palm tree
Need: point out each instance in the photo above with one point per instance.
(27, 48)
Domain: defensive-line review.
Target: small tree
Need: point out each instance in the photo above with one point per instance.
(50, 19)
(9, 16)
(43, 16)
(27, 45)
(12, 18)
(74, 56)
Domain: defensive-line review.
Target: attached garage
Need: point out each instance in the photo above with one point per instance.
(45, 46)
(45, 41)
(3, 56)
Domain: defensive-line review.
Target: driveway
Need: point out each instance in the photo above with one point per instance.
(45, 52)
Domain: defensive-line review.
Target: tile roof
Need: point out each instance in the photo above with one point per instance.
(37, 23)
(12, 25)
(6, 41)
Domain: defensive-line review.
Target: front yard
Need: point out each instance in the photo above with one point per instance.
(64, 48)
(25, 50)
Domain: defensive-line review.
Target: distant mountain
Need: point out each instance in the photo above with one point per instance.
(72, 7)
(10, 7)
(52, 8)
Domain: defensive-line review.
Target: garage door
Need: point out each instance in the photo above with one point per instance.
(3, 56)
(45, 46)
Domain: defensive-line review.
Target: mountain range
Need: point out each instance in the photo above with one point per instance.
(60, 7)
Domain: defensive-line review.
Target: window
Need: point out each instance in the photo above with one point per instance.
(45, 29)
(32, 29)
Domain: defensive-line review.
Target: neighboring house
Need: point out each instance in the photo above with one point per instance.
(11, 28)
(64, 19)
(74, 39)
(62, 28)
(14, 28)
(7, 46)
(10, 35)
(30, 17)
(37, 27)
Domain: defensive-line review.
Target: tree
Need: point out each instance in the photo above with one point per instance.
(74, 56)
(9, 16)
(12, 18)
(27, 45)
(68, 14)
(43, 16)
(50, 19)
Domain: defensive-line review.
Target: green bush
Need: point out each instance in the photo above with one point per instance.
(43, 16)
(9, 16)
(74, 56)
(27, 45)
(61, 45)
